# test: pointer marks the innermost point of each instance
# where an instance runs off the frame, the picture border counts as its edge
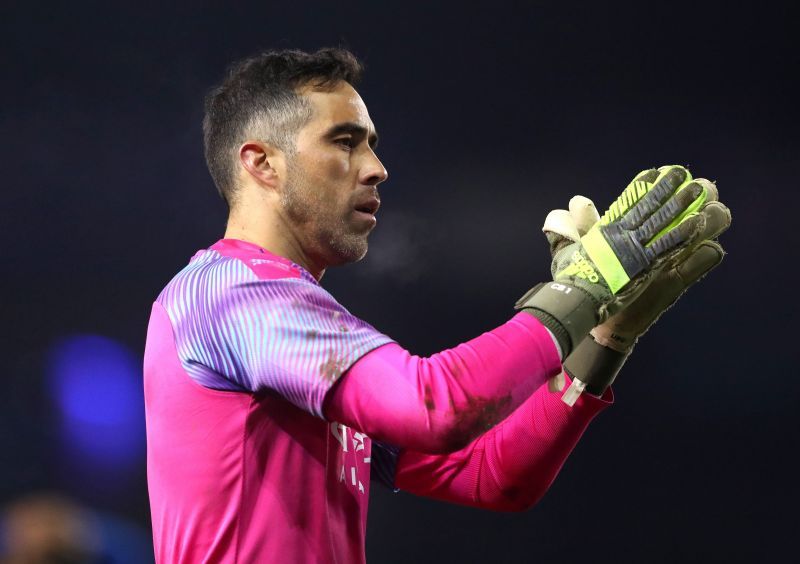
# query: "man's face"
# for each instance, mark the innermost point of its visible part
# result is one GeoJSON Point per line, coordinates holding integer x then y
{"type": "Point", "coordinates": [330, 193]}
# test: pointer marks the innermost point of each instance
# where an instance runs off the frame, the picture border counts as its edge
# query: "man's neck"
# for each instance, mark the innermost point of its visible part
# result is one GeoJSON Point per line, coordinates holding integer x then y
{"type": "Point", "coordinates": [274, 237]}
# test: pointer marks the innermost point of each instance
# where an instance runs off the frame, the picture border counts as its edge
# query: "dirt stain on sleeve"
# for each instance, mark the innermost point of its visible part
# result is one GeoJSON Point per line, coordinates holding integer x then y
{"type": "Point", "coordinates": [429, 403]}
{"type": "Point", "coordinates": [332, 368]}
{"type": "Point", "coordinates": [480, 415]}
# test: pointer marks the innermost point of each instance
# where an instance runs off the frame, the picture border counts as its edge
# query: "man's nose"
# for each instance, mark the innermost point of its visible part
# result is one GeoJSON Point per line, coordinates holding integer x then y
{"type": "Point", "coordinates": [373, 172]}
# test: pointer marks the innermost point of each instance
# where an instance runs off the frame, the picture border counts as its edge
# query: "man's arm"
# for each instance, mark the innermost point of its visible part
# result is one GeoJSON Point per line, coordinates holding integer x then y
{"type": "Point", "coordinates": [441, 403]}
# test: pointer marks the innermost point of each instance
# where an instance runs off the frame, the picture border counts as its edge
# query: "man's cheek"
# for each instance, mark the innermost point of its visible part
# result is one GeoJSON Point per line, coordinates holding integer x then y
{"type": "Point", "coordinates": [337, 167]}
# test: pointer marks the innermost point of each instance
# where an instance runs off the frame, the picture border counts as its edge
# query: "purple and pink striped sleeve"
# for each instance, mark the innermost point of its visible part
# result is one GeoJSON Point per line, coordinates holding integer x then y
{"type": "Point", "coordinates": [244, 319]}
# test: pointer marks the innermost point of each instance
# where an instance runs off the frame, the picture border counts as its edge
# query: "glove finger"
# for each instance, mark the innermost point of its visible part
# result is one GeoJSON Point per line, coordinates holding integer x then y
{"type": "Point", "coordinates": [718, 219]}
{"type": "Point", "coordinates": [562, 223]}
{"type": "Point", "coordinates": [560, 231]}
{"type": "Point", "coordinates": [684, 233]}
{"type": "Point", "coordinates": [671, 213]}
{"type": "Point", "coordinates": [708, 192]}
{"type": "Point", "coordinates": [637, 189]}
{"type": "Point", "coordinates": [705, 258]}
{"type": "Point", "coordinates": [584, 213]}
{"type": "Point", "coordinates": [712, 194]}
{"type": "Point", "coordinates": [556, 242]}
{"type": "Point", "coordinates": [665, 185]}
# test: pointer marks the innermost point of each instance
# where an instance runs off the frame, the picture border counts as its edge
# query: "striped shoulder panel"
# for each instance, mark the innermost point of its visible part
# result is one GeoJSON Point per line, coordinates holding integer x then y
{"type": "Point", "coordinates": [237, 331]}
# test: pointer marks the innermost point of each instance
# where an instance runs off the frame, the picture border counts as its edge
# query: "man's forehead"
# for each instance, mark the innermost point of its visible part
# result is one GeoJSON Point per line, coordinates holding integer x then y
{"type": "Point", "coordinates": [340, 105]}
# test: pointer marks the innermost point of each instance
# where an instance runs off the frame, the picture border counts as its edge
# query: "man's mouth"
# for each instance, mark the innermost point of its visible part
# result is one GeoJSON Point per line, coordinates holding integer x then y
{"type": "Point", "coordinates": [369, 206]}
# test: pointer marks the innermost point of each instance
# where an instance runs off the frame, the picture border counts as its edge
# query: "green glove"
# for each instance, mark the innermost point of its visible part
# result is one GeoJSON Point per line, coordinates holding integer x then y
{"type": "Point", "coordinates": [599, 357]}
{"type": "Point", "coordinates": [599, 274]}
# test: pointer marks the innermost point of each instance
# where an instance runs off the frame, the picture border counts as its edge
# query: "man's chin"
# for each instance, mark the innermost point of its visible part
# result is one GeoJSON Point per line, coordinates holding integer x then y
{"type": "Point", "coordinates": [346, 252]}
{"type": "Point", "coordinates": [355, 256]}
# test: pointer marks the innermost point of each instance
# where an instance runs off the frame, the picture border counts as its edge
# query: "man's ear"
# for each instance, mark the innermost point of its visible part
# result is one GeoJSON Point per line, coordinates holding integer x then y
{"type": "Point", "coordinates": [263, 162]}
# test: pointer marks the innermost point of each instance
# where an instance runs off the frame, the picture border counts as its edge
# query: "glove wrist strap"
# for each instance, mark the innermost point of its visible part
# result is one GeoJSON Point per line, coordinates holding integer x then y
{"type": "Point", "coordinates": [595, 365]}
{"type": "Point", "coordinates": [567, 311]}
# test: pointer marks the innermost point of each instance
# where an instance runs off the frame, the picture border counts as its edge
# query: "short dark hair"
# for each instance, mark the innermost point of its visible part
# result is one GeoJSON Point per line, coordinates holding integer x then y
{"type": "Point", "coordinates": [259, 99]}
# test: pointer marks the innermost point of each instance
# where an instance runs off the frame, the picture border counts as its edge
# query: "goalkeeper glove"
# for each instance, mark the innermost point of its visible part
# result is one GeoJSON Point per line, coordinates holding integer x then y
{"type": "Point", "coordinates": [598, 358]}
{"type": "Point", "coordinates": [600, 273]}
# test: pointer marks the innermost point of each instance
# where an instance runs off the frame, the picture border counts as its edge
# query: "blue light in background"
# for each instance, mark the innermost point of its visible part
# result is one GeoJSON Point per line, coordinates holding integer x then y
{"type": "Point", "coordinates": [96, 383]}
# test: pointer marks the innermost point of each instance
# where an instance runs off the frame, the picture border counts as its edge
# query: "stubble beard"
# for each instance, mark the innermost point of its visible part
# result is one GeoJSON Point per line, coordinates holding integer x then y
{"type": "Point", "coordinates": [322, 227]}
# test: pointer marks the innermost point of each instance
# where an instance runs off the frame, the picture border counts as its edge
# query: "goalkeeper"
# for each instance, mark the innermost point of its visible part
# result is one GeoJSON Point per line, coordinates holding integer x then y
{"type": "Point", "coordinates": [270, 407]}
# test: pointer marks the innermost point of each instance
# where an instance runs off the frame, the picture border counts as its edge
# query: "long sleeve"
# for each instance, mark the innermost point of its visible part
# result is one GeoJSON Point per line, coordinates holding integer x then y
{"type": "Point", "coordinates": [441, 403]}
{"type": "Point", "coordinates": [510, 467]}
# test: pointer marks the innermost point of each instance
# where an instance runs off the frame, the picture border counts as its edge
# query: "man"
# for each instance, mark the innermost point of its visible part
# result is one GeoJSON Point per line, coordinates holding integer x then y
{"type": "Point", "coordinates": [270, 407]}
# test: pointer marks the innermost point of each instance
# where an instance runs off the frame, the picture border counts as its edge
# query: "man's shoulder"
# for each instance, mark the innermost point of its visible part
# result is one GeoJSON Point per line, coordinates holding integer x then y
{"type": "Point", "coordinates": [214, 272]}
{"type": "Point", "coordinates": [229, 262]}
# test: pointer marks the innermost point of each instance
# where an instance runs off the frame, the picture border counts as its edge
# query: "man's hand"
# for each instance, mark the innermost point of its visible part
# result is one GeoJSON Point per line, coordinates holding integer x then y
{"type": "Point", "coordinates": [598, 358]}
{"type": "Point", "coordinates": [599, 272]}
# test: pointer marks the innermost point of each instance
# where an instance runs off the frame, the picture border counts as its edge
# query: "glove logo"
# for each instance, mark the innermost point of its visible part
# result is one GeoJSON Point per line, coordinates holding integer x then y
{"type": "Point", "coordinates": [581, 268]}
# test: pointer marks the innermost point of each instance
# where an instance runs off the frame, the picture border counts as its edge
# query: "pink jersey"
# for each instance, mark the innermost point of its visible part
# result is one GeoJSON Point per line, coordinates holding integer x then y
{"type": "Point", "coordinates": [241, 350]}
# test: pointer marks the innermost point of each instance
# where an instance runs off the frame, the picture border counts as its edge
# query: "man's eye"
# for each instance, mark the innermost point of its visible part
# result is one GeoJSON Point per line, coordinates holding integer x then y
{"type": "Point", "coordinates": [345, 142]}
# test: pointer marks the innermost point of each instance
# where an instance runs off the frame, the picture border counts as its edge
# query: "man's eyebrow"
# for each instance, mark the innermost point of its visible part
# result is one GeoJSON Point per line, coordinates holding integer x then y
{"type": "Point", "coordinates": [353, 129]}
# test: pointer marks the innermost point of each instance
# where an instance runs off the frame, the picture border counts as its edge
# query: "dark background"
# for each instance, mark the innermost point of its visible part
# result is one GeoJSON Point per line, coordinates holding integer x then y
{"type": "Point", "coordinates": [490, 115]}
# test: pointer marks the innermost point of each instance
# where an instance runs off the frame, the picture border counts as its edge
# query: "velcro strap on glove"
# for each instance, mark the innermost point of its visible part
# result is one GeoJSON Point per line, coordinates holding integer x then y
{"type": "Point", "coordinates": [567, 311]}
{"type": "Point", "coordinates": [594, 365]}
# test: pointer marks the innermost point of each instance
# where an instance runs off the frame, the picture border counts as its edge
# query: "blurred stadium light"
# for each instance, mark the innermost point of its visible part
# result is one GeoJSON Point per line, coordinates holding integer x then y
{"type": "Point", "coordinates": [96, 384]}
